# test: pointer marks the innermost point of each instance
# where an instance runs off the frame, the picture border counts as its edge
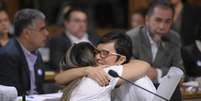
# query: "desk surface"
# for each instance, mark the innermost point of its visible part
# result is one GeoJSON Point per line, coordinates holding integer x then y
{"type": "Point", "coordinates": [188, 96]}
{"type": "Point", "coordinates": [42, 97]}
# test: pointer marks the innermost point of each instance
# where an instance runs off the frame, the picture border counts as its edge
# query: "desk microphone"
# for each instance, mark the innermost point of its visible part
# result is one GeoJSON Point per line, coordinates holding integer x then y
{"type": "Point", "coordinates": [114, 74]}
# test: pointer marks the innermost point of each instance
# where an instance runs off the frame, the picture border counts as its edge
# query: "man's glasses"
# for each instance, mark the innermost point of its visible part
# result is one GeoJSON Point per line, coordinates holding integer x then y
{"type": "Point", "coordinates": [79, 20]}
{"type": "Point", "coordinates": [105, 53]}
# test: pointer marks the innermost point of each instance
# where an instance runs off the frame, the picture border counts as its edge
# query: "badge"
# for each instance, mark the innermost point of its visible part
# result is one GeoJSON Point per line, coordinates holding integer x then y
{"type": "Point", "coordinates": [40, 72]}
{"type": "Point", "coordinates": [199, 63]}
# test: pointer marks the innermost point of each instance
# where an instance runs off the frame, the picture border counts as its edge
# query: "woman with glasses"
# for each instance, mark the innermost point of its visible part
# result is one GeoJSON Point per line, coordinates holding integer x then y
{"type": "Point", "coordinates": [86, 89]}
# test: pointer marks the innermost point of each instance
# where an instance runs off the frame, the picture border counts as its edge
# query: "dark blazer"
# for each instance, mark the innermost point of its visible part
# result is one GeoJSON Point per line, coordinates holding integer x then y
{"type": "Point", "coordinates": [10, 36]}
{"type": "Point", "coordinates": [168, 52]}
{"type": "Point", "coordinates": [14, 70]}
{"type": "Point", "coordinates": [58, 47]}
{"type": "Point", "coordinates": [190, 23]}
{"type": "Point", "coordinates": [192, 60]}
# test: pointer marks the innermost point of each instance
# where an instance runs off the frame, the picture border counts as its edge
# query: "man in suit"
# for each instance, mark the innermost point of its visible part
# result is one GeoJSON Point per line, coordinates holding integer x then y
{"type": "Point", "coordinates": [21, 64]}
{"type": "Point", "coordinates": [156, 43]}
{"type": "Point", "coordinates": [75, 31]}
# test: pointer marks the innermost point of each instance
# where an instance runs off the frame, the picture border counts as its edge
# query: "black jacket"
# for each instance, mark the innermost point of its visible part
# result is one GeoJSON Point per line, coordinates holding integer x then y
{"type": "Point", "coordinates": [190, 23]}
{"type": "Point", "coordinates": [14, 70]}
{"type": "Point", "coordinates": [58, 47]}
{"type": "Point", "coordinates": [192, 60]}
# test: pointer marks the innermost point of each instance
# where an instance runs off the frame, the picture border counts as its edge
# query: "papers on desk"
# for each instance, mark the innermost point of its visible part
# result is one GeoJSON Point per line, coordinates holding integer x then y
{"type": "Point", "coordinates": [42, 97]}
{"type": "Point", "coordinates": [191, 87]}
{"type": "Point", "coordinates": [7, 93]}
{"type": "Point", "coordinates": [191, 84]}
{"type": "Point", "coordinates": [168, 83]}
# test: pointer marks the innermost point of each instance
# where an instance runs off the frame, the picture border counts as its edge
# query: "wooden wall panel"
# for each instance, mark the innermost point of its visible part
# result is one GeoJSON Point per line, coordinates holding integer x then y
{"type": "Point", "coordinates": [196, 2]}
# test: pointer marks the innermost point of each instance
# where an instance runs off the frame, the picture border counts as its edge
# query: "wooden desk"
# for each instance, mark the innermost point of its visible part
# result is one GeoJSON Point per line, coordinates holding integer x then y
{"type": "Point", "coordinates": [190, 96]}
{"type": "Point", "coordinates": [49, 75]}
{"type": "Point", "coordinates": [186, 96]}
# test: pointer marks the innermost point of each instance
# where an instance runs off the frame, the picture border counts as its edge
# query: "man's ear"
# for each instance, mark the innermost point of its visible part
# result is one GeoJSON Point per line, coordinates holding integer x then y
{"type": "Point", "coordinates": [26, 32]}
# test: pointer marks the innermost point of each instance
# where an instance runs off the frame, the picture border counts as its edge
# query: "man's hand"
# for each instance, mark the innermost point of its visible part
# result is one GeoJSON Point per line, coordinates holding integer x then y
{"type": "Point", "coordinates": [98, 74]}
{"type": "Point", "coordinates": [152, 73]}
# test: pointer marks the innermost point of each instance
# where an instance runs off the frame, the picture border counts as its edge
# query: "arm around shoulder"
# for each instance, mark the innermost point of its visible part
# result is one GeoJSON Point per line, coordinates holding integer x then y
{"type": "Point", "coordinates": [96, 73]}
{"type": "Point", "coordinates": [134, 70]}
{"type": "Point", "coordinates": [71, 74]}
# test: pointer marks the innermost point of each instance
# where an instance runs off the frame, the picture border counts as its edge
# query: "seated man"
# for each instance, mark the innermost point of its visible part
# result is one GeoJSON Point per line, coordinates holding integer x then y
{"type": "Point", "coordinates": [20, 63]}
{"type": "Point", "coordinates": [75, 23]}
{"type": "Point", "coordinates": [156, 43]}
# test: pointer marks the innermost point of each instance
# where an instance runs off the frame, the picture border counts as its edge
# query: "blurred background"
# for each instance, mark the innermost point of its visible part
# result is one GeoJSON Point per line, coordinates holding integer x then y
{"type": "Point", "coordinates": [104, 15]}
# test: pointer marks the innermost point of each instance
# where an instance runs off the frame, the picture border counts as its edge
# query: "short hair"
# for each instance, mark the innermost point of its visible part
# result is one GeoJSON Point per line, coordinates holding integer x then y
{"type": "Point", "coordinates": [122, 43]}
{"type": "Point", "coordinates": [165, 4]}
{"type": "Point", "coordinates": [71, 10]}
{"type": "Point", "coordinates": [79, 55]}
{"type": "Point", "coordinates": [25, 18]}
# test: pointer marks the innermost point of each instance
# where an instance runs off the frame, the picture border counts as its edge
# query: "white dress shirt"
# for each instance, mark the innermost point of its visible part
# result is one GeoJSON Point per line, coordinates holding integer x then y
{"type": "Point", "coordinates": [154, 46]}
{"type": "Point", "coordinates": [77, 40]}
{"type": "Point", "coordinates": [129, 92]}
{"type": "Point", "coordinates": [90, 90]}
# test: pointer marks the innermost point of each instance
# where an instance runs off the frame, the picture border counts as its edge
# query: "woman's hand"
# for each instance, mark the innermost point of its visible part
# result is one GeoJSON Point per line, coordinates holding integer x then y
{"type": "Point", "coordinates": [98, 74]}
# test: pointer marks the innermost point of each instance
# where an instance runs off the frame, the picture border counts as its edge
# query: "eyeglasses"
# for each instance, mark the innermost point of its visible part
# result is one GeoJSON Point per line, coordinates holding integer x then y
{"type": "Point", "coordinates": [79, 20]}
{"type": "Point", "coordinates": [105, 53]}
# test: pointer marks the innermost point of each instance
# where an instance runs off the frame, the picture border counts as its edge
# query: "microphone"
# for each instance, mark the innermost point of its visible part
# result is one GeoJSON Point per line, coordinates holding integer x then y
{"type": "Point", "coordinates": [115, 74]}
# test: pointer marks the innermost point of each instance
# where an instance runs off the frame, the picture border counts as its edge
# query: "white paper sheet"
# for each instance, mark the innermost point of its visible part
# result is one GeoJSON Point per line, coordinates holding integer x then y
{"type": "Point", "coordinates": [7, 93]}
{"type": "Point", "coordinates": [169, 83]}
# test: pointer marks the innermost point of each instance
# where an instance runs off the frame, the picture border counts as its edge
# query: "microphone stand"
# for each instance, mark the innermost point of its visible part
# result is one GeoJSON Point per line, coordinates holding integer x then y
{"type": "Point", "coordinates": [115, 74]}
{"type": "Point", "coordinates": [23, 97]}
{"type": "Point", "coordinates": [144, 89]}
